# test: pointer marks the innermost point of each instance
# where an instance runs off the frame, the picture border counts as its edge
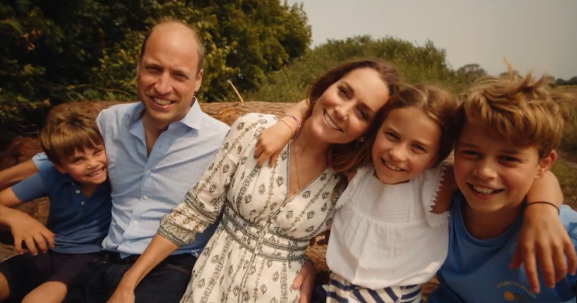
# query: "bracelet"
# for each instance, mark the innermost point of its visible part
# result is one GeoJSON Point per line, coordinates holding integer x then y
{"type": "Point", "coordinates": [290, 127]}
{"type": "Point", "coordinates": [545, 202]}
{"type": "Point", "coordinates": [295, 118]}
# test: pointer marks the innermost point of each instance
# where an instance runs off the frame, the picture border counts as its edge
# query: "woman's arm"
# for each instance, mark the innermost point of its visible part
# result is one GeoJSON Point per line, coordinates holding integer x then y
{"type": "Point", "coordinates": [201, 207]}
{"type": "Point", "coordinates": [158, 249]}
{"type": "Point", "coordinates": [273, 139]}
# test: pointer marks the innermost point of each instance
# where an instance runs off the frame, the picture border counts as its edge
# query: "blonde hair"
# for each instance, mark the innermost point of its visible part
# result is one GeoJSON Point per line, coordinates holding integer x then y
{"type": "Point", "coordinates": [521, 110]}
{"type": "Point", "coordinates": [439, 104]}
{"type": "Point", "coordinates": [67, 132]}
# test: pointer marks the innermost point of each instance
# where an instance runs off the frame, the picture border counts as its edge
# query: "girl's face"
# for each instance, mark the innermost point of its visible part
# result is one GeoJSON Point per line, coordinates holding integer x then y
{"type": "Point", "coordinates": [406, 145]}
{"type": "Point", "coordinates": [345, 110]}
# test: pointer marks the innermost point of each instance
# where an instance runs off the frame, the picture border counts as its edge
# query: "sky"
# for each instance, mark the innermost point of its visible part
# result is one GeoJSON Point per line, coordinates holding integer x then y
{"type": "Point", "coordinates": [537, 35]}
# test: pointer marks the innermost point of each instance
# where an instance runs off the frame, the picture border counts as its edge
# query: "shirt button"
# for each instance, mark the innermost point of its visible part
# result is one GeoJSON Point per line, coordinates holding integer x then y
{"type": "Point", "coordinates": [82, 203]}
{"type": "Point", "coordinates": [144, 197]}
{"type": "Point", "coordinates": [77, 191]}
{"type": "Point", "coordinates": [135, 223]}
{"type": "Point", "coordinates": [148, 171]}
{"type": "Point", "coordinates": [127, 241]}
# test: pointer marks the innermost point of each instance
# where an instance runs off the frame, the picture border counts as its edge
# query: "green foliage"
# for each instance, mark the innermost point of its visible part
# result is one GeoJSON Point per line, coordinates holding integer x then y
{"type": "Point", "coordinates": [60, 51]}
{"type": "Point", "coordinates": [572, 81]}
{"type": "Point", "coordinates": [416, 64]}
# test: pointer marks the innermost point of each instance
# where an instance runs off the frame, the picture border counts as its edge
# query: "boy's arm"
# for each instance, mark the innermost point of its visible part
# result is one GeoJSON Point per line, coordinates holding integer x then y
{"type": "Point", "coordinates": [543, 238]}
{"type": "Point", "coordinates": [17, 173]}
{"type": "Point", "coordinates": [273, 139]}
{"type": "Point", "coordinates": [24, 228]}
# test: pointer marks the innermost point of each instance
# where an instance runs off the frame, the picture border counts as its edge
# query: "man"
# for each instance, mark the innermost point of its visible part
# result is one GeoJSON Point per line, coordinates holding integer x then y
{"type": "Point", "coordinates": [157, 149]}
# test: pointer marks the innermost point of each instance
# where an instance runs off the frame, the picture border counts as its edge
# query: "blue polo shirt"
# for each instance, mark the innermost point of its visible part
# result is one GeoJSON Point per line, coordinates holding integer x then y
{"type": "Point", "coordinates": [477, 271]}
{"type": "Point", "coordinates": [79, 223]}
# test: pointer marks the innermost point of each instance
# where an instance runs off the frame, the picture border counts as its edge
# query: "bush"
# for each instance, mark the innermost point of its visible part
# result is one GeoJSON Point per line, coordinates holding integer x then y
{"type": "Point", "coordinates": [58, 51]}
{"type": "Point", "coordinates": [416, 64]}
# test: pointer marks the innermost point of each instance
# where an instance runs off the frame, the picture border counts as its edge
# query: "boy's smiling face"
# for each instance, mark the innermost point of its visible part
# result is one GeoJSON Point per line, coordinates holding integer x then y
{"type": "Point", "coordinates": [492, 173]}
{"type": "Point", "coordinates": [87, 167]}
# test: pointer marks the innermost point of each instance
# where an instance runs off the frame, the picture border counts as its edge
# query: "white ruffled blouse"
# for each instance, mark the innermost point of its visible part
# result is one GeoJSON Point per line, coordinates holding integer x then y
{"type": "Point", "coordinates": [385, 235]}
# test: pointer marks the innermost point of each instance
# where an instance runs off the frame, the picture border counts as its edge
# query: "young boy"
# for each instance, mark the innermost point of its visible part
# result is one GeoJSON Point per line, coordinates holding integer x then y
{"type": "Point", "coordinates": [511, 128]}
{"type": "Point", "coordinates": [79, 214]}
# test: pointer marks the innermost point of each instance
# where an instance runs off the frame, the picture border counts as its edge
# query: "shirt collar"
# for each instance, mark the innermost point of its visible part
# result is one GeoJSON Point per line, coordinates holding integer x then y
{"type": "Point", "coordinates": [66, 179]}
{"type": "Point", "coordinates": [192, 119]}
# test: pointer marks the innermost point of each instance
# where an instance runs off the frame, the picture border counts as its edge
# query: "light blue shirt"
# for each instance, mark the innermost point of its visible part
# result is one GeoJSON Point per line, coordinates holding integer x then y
{"type": "Point", "coordinates": [477, 271]}
{"type": "Point", "coordinates": [144, 188]}
{"type": "Point", "coordinates": [79, 223]}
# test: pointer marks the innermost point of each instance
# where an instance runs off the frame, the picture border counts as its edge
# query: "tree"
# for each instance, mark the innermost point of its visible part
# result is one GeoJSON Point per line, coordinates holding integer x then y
{"type": "Point", "coordinates": [58, 51]}
{"type": "Point", "coordinates": [469, 73]}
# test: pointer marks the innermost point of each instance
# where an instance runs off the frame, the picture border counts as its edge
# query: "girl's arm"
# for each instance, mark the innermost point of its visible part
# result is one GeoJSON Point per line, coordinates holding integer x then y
{"type": "Point", "coordinates": [273, 139]}
{"type": "Point", "coordinates": [543, 238]}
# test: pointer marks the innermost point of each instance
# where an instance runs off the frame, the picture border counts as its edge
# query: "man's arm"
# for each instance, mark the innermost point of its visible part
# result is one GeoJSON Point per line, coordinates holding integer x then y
{"type": "Point", "coordinates": [17, 173]}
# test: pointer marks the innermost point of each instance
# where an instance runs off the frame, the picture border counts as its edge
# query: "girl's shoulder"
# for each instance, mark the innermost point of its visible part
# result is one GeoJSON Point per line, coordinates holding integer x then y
{"type": "Point", "coordinates": [434, 185]}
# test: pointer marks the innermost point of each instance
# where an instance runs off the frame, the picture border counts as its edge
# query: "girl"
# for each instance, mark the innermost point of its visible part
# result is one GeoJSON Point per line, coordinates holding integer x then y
{"type": "Point", "coordinates": [389, 215]}
{"type": "Point", "coordinates": [394, 211]}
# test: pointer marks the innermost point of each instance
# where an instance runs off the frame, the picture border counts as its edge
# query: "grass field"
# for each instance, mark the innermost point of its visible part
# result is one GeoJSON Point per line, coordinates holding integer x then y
{"type": "Point", "coordinates": [565, 168]}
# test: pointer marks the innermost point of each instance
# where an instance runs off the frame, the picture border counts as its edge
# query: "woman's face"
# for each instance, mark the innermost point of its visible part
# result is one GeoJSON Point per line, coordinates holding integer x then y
{"type": "Point", "coordinates": [346, 109]}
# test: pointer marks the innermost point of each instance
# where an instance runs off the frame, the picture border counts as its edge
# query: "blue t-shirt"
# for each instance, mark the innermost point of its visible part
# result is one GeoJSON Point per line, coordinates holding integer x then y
{"type": "Point", "coordinates": [79, 223]}
{"type": "Point", "coordinates": [477, 271]}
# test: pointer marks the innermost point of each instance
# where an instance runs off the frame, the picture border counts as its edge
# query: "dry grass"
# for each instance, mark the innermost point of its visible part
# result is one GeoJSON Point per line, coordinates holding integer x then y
{"type": "Point", "coordinates": [566, 172]}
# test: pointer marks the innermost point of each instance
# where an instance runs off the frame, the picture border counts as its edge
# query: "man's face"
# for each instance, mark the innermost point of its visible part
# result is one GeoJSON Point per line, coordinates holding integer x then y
{"type": "Point", "coordinates": [167, 74]}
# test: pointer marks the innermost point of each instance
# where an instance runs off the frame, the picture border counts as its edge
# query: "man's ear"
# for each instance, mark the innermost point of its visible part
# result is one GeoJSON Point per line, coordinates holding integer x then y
{"type": "Point", "coordinates": [198, 80]}
{"type": "Point", "coordinates": [545, 163]}
{"type": "Point", "coordinates": [138, 64]}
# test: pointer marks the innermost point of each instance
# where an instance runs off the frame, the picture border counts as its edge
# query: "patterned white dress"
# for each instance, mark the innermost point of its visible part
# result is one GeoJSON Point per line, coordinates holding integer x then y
{"type": "Point", "coordinates": [258, 247]}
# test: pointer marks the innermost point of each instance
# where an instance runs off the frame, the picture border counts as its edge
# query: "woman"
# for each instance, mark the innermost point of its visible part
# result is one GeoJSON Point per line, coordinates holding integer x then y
{"type": "Point", "coordinates": [269, 213]}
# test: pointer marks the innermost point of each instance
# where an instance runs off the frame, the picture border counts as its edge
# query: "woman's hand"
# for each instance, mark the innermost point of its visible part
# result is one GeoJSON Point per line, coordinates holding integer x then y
{"type": "Point", "coordinates": [122, 294]}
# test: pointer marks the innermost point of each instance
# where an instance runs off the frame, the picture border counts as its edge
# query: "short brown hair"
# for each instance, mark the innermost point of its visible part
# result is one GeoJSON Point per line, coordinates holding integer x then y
{"type": "Point", "coordinates": [521, 110]}
{"type": "Point", "coordinates": [67, 132]}
{"type": "Point", "coordinates": [166, 20]}
{"type": "Point", "coordinates": [340, 154]}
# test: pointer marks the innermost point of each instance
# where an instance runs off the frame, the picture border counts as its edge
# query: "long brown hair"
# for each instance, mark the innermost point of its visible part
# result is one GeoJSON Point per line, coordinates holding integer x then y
{"type": "Point", "coordinates": [340, 155]}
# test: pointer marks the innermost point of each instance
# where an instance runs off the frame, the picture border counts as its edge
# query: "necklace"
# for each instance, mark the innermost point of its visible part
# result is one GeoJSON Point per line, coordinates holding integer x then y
{"type": "Point", "coordinates": [297, 167]}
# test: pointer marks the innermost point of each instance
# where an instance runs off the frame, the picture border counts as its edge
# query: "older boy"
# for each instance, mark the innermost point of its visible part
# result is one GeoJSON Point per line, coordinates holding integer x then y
{"type": "Point", "coordinates": [79, 214]}
{"type": "Point", "coordinates": [511, 128]}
